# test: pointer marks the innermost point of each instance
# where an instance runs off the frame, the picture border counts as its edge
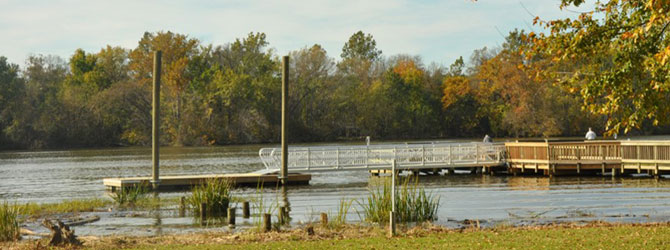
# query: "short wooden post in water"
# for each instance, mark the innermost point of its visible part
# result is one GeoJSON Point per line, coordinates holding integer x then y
{"type": "Point", "coordinates": [324, 219]}
{"type": "Point", "coordinates": [245, 209]}
{"type": "Point", "coordinates": [231, 216]}
{"type": "Point", "coordinates": [182, 206]}
{"type": "Point", "coordinates": [203, 213]}
{"type": "Point", "coordinates": [267, 222]}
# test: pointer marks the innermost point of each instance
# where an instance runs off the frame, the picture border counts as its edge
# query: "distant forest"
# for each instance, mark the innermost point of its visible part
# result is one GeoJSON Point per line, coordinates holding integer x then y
{"type": "Point", "coordinates": [230, 94]}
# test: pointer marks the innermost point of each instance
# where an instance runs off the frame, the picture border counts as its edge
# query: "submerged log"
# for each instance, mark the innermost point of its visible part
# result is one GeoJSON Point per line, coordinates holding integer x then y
{"type": "Point", "coordinates": [82, 221]}
{"type": "Point", "coordinates": [60, 234]}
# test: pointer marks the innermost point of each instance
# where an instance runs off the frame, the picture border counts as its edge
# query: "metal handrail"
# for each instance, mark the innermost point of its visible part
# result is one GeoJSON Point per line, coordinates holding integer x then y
{"type": "Point", "coordinates": [373, 157]}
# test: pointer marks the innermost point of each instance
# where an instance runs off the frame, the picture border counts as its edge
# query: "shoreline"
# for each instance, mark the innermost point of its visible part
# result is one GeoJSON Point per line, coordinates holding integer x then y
{"type": "Point", "coordinates": [563, 235]}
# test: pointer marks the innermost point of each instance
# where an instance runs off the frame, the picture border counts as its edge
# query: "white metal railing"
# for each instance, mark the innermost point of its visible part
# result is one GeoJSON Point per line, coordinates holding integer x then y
{"type": "Point", "coordinates": [407, 156]}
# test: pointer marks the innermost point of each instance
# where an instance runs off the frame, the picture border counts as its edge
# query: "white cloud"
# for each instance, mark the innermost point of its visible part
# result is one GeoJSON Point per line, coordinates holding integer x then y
{"type": "Point", "coordinates": [439, 31]}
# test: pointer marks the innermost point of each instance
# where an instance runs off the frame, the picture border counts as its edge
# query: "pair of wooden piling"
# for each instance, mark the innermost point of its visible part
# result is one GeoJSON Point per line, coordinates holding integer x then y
{"type": "Point", "coordinates": [282, 218]}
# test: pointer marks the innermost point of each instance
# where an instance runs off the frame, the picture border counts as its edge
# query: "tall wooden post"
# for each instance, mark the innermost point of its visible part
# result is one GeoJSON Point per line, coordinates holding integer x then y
{"type": "Point", "coordinates": [392, 213]}
{"type": "Point", "coordinates": [284, 122]}
{"type": "Point", "coordinates": [155, 125]}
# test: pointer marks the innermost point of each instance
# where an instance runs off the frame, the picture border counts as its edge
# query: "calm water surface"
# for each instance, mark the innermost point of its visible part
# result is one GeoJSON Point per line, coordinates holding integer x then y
{"type": "Point", "coordinates": [53, 176]}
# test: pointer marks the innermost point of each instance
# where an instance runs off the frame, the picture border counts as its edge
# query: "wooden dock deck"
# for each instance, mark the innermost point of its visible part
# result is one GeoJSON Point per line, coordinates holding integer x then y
{"type": "Point", "coordinates": [188, 181]}
{"type": "Point", "coordinates": [578, 157]}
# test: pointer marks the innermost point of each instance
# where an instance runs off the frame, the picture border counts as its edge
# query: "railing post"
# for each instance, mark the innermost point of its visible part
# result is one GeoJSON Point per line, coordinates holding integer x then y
{"type": "Point", "coordinates": [337, 158]}
{"type": "Point", "coordinates": [451, 155]}
{"type": "Point", "coordinates": [548, 152]}
{"type": "Point", "coordinates": [423, 155]}
{"type": "Point", "coordinates": [309, 161]}
{"type": "Point", "coordinates": [395, 153]}
{"type": "Point", "coordinates": [367, 155]}
{"type": "Point", "coordinates": [476, 153]}
{"type": "Point", "coordinates": [578, 153]}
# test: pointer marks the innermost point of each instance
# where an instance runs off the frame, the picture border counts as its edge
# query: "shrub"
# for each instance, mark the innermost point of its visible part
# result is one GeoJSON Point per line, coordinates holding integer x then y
{"type": "Point", "coordinates": [413, 204]}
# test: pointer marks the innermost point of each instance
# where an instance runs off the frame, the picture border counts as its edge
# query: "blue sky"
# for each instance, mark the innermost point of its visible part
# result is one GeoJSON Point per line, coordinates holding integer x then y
{"type": "Point", "coordinates": [438, 31]}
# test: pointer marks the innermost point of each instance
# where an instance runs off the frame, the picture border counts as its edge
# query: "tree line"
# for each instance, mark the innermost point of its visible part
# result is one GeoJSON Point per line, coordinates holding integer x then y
{"type": "Point", "coordinates": [230, 94]}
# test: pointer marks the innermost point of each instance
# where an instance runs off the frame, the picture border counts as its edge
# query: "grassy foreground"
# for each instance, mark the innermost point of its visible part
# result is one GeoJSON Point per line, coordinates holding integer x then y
{"type": "Point", "coordinates": [592, 236]}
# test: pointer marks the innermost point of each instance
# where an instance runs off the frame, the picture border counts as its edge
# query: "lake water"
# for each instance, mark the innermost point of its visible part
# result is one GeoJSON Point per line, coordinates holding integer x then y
{"type": "Point", "coordinates": [53, 176]}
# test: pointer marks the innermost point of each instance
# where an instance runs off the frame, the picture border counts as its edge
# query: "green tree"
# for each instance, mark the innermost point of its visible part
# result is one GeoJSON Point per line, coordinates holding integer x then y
{"type": "Point", "coordinates": [244, 95]}
{"type": "Point", "coordinates": [11, 94]}
{"type": "Point", "coordinates": [361, 46]}
{"type": "Point", "coordinates": [39, 120]}
{"type": "Point", "coordinates": [177, 52]}
{"type": "Point", "coordinates": [311, 93]}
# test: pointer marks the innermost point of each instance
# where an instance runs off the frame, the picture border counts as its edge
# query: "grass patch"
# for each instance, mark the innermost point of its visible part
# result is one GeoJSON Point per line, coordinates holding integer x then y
{"type": "Point", "coordinates": [70, 206]}
{"type": "Point", "coordinates": [413, 203]}
{"type": "Point", "coordinates": [215, 194]}
{"type": "Point", "coordinates": [9, 222]}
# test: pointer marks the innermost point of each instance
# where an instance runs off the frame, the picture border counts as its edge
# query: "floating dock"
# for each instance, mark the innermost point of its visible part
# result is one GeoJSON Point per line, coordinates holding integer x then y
{"type": "Point", "coordinates": [188, 181]}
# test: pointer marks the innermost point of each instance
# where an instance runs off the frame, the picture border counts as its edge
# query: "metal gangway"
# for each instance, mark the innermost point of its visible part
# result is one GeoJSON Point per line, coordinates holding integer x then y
{"type": "Point", "coordinates": [379, 157]}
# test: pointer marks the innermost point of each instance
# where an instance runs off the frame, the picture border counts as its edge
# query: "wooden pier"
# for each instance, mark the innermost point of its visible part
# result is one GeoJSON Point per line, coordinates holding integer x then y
{"type": "Point", "coordinates": [188, 181]}
{"type": "Point", "coordinates": [589, 157]}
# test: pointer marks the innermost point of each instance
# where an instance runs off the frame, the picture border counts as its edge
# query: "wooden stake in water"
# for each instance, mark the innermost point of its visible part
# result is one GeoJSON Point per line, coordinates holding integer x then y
{"type": "Point", "coordinates": [231, 216]}
{"type": "Point", "coordinates": [245, 209]}
{"type": "Point", "coordinates": [267, 222]}
{"type": "Point", "coordinates": [324, 219]}
{"type": "Point", "coordinates": [182, 206]}
{"type": "Point", "coordinates": [155, 124]}
{"type": "Point", "coordinates": [203, 213]}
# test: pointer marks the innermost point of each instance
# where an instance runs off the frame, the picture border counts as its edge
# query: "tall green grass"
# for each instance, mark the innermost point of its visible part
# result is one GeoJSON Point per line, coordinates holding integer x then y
{"type": "Point", "coordinates": [9, 222]}
{"type": "Point", "coordinates": [259, 204]}
{"type": "Point", "coordinates": [342, 211]}
{"type": "Point", "coordinates": [215, 194]}
{"type": "Point", "coordinates": [68, 206]}
{"type": "Point", "coordinates": [130, 196]}
{"type": "Point", "coordinates": [413, 203]}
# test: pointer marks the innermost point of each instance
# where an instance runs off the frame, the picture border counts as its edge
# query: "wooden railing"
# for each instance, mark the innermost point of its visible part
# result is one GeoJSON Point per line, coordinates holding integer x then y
{"type": "Point", "coordinates": [584, 151]}
{"type": "Point", "coordinates": [545, 152]}
{"type": "Point", "coordinates": [646, 151]}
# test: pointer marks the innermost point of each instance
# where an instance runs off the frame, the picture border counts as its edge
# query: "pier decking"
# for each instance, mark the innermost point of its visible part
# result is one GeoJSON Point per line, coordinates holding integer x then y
{"type": "Point", "coordinates": [188, 181]}
{"type": "Point", "coordinates": [616, 157]}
